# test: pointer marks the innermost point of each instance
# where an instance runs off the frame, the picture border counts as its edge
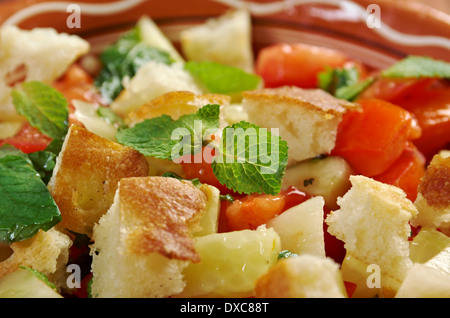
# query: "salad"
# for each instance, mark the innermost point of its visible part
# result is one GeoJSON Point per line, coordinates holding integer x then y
{"type": "Point", "coordinates": [215, 171]}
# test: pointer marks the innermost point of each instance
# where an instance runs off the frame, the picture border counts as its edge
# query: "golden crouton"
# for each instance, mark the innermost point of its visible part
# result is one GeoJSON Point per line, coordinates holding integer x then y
{"type": "Point", "coordinates": [86, 175]}
{"type": "Point", "coordinates": [46, 252]}
{"type": "Point", "coordinates": [175, 104]}
{"type": "Point", "coordinates": [143, 243]}
{"type": "Point", "coordinates": [225, 39]}
{"type": "Point", "coordinates": [433, 199]}
{"type": "Point", "coordinates": [306, 118]}
{"type": "Point", "coordinates": [373, 221]}
{"type": "Point", "coordinates": [303, 276]}
{"type": "Point", "coordinates": [24, 58]}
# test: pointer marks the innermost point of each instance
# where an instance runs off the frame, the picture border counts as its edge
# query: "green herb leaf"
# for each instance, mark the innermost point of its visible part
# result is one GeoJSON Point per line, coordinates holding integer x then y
{"type": "Point", "coordinates": [26, 205]}
{"type": "Point", "coordinates": [111, 117]}
{"type": "Point", "coordinates": [286, 254]}
{"type": "Point", "coordinates": [196, 182]}
{"type": "Point", "coordinates": [41, 276]}
{"type": "Point", "coordinates": [418, 66]}
{"type": "Point", "coordinates": [250, 159]}
{"type": "Point", "coordinates": [343, 83]}
{"type": "Point", "coordinates": [227, 197]}
{"type": "Point", "coordinates": [43, 162]}
{"type": "Point", "coordinates": [351, 92]}
{"type": "Point", "coordinates": [45, 108]}
{"type": "Point", "coordinates": [165, 138]}
{"type": "Point", "coordinates": [222, 79]}
{"type": "Point", "coordinates": [332, 79]}
{"type": "Point", "coordinates": [123, 59]}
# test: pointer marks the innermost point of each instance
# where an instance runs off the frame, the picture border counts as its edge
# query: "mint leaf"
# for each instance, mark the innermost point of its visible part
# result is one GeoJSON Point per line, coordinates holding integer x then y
{"type": "Point", "coordinates": [221, 79]}
{"type": "Point", "coordinates": [351, 92]}
{"type": "Point", "coordinates": [250, 159]}
{"type": "Point", "coordinates": [332, 79]}
{"type": "Point", "coordinates": [418, 66]}
{"type": "Point", "coordinates": [165, 138]}
{"type": "Point", "coordinates": [43, 162]}
{"type": "Point", "coordinates": [109, 116]}
{"type": "Point", "coordinates": [123, 59]}
{"type": "Point", "coordinates": [343, 83]}
{"type": "Point", "coordinates": [26, 205]}
{"type": "Point", "coordinates": [45, 108]}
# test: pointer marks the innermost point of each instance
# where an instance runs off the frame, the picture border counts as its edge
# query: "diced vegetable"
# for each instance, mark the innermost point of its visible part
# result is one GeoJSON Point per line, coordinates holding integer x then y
{"type": "Point", "coordinates": [200, 168]}
{"type": "Point", "coordinates": [424, 281]}
{"type": "Point", "coordinates": [427, 244]}
{"type": "Point", "coordinates": [210, 221]}
{"type": "Point", "coordinates": [88, 115]}
{"type": "Point", "coordinates": [251, 211]}
{"type": "Point", "coordinates": [295, 64]}
{"type": "Point", "coordinates": [28, 139]}
{"type": "Point", "coordinates": [430, 106]}
{"type": "Point", "coordinates": [24, 284]}
{"type": "Point", "coordinates": [301, 227]}
{"type": "Point", "coordinates": [369, 280]}
{"type": "Point", "coordinates": [427, 99]}
{"type": "Point", "coordinates": [406, 172]}
{"type": "Point", "coordinates": [231, 263]}
{"type": "Point", "coordinates": [327, 177]}
{"type": "Point", "coordinates": [373, 139]}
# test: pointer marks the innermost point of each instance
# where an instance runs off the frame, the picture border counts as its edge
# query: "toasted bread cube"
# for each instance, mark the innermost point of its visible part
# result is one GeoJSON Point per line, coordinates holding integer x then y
{"type": "Point", "coordinates": [433, 198]}
{"type": "Point", "coordinates": [225, 39]}
{"type": "Point", "coordinates": [307, 119]}
{"type": "Point", "coordinates": [46, 252]}
{"type": "Point", "coordinates": [143, 243]}
{"type": "Point", "coordinates": [373, 221]}
{"type": "Point", "coordinates": [152, 80]}
{"type": "Point", "coordinates": [86, 176]}
{"type": "Point", "coordinates": [303, 276]}
{"type": "Point", "coordinates": [152, 35]}
{"type": "Point", "coordinates": [175, 104]}
{"type": "Point", "coordinates": [24, 58]}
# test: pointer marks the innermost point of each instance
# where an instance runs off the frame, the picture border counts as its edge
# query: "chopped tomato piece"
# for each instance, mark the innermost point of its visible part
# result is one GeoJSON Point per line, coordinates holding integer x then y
{"type": "Point", "coordinates": [82, 292]}
{"type": "Point", "coordinates": [77, 84]}
{"type": "Point", "coordinates": [334, 247]}
{"type": "Point", "coordinates": [251, 211]}
{"type": "Point", "coordinates": [406, 172]}
{"type": "Point", "coordinates": [431, 107]}
{"type": "Point", "coordinates": [198, 166]}
{"type": "Point", "coordinates": [293, 197]}
{"type": "Point", "coordinates": [391, 89]}
{"type": "Point", "coordinates": [371, 140]}
{"type": "Point", "coordinates": [428, 99]}
{"type": "Point", "coordinates": [28, 139]}
{"type": "Point", "coordinates": [295, 64]}
{"type": "Point", "coordinates": [350, 288]}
